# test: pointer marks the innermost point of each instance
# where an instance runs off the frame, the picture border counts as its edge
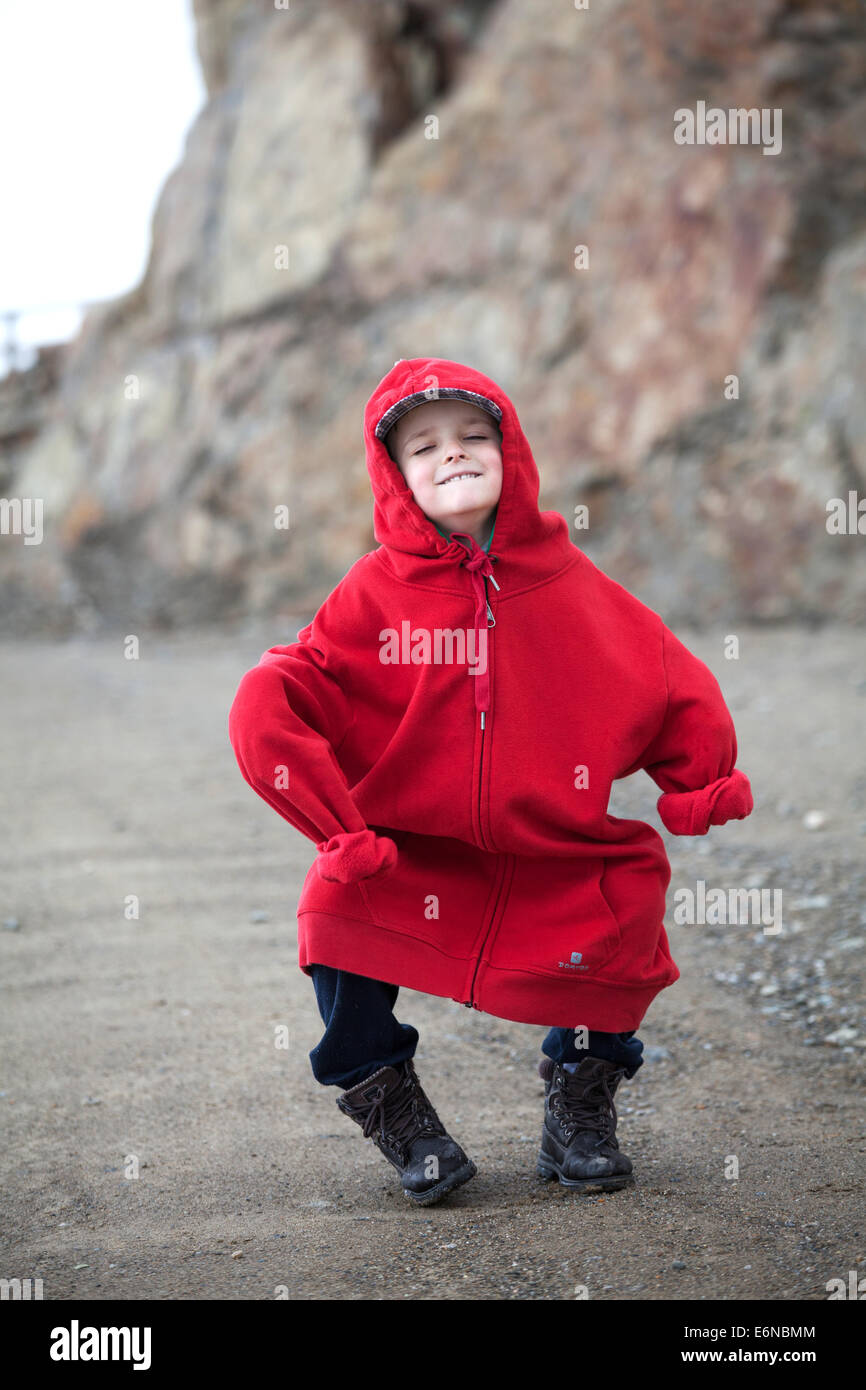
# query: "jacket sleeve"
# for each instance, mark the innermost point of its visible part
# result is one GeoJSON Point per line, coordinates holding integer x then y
{"type": "Point", "coordinates": [693, 755]}
{"type": "Point", "coordinates": [289, 716]}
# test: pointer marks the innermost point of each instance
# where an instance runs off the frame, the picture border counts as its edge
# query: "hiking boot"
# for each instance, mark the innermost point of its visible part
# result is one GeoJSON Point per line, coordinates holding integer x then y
{"type": "Point", "coordinates": [578, 1141]}
{"type": "Point", "coordinates": [395, 1113]}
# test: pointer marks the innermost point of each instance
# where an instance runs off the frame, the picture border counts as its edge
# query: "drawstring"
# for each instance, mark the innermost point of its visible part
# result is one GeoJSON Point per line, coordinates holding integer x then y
{"type": "Point", "coordinates": [480, 567]}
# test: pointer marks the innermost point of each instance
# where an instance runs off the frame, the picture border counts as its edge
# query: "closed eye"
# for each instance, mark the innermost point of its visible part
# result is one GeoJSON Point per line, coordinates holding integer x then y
{"type": "Point", "coordinates": [430, 446]}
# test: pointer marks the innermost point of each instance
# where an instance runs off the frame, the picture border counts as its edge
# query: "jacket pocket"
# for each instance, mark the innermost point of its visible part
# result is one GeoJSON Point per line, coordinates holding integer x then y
{"type": "Point", "coordinates": [615, 922]}
{"type": "Point", "coordinates": [558, 921]}
{"type": "Point", "coordinates": [439, 892]}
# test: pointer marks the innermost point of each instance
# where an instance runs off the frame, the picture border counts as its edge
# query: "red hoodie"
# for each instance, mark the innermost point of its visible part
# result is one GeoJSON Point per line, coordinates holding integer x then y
{"type": "Point", "coordinates": [458, 800]}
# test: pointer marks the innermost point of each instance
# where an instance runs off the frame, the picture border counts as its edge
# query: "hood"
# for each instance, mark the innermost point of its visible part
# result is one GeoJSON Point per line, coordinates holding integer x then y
{"type": "Point", "coordinates": [529, 543]}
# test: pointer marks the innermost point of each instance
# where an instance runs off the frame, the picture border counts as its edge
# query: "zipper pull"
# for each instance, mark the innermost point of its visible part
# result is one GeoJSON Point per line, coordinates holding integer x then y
{"type": "Point", "coordinates": [491, 621]}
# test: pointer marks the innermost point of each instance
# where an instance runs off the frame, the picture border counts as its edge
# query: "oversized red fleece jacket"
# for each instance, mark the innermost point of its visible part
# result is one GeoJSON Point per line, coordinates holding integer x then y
{"type": "Point", "coordinates": [446, 731]}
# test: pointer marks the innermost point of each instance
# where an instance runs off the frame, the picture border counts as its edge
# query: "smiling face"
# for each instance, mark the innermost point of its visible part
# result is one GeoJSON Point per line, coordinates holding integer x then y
{"type": "Point", "coordinates": [449, 453]}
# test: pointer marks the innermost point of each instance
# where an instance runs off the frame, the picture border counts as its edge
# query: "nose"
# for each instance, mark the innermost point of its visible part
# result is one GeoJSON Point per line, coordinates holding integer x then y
{"type": "Point", "coordinates": [454, 447]}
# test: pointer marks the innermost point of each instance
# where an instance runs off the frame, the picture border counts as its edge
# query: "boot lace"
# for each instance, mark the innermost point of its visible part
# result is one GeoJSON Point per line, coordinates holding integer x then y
{"type": "Point", "coordinates": [590, 1107]}
{"type": "Point", "coordinates": [404, 1116]}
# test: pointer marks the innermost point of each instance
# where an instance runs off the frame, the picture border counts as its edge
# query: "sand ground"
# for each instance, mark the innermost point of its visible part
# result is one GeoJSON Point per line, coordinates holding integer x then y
{"type": "Point", "coordinates": [148, 1045]}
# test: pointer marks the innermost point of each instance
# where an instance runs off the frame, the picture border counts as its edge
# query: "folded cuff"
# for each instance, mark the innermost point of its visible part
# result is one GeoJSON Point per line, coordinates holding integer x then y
{"type": "Point", "coordinates": [348, 857]}
{"type": "Point", "coordinates": [692, 813]}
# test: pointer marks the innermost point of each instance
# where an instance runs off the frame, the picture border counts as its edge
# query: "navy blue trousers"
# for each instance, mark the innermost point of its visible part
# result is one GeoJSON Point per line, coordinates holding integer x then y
{"type": "Point", "coordinates": [362, 1034]}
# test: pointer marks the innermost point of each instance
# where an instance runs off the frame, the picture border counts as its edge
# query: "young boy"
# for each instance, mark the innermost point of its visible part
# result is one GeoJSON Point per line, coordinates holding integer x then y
{"type": "Point", "coordinates": [448, 739]}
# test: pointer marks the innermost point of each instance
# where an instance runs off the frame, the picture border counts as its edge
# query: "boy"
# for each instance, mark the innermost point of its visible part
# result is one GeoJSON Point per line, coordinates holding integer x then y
{"type": "Point", "coordinates": [464, 844]}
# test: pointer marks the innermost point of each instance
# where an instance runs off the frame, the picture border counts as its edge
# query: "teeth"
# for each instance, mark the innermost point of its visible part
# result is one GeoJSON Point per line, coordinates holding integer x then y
{"type": "Point", "coordinates": [457, 478]}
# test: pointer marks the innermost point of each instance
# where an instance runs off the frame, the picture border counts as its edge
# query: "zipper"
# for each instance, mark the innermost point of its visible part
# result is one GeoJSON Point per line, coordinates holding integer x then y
{"type": "Point", "coordinates": [503, 871]}
{"type": "Point", "coordinates": [491, 622]}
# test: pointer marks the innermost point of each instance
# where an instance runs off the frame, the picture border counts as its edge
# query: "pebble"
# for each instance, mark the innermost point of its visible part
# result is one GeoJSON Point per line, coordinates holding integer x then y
{"type": "Point", "coordinates": [678, 1264]}
{"type": "Point", "coordinates": [841, 1035]}
{"type": "Point", "coordinates": [814, 820]}
{"type": "Point", "coordinates": [11, 924]}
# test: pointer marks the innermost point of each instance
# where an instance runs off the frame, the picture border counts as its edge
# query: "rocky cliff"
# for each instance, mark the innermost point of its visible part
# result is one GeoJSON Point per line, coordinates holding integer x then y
{"type": "Point", "coordinates": [369, 181]}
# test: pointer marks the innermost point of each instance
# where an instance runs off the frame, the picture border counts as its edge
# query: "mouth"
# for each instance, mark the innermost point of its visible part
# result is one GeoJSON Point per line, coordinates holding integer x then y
{"type": "Point", "coordinates": [459, 478]}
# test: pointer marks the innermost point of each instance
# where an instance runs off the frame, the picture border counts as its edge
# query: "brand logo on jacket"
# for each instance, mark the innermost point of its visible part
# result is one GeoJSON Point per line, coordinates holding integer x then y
{"type": "Point", "coordinates": [574, 963]}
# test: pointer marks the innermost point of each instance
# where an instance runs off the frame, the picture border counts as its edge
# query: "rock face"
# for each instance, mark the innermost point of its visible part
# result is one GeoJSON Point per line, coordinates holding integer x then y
{"type": "Point", "coordinates": [369, 181]}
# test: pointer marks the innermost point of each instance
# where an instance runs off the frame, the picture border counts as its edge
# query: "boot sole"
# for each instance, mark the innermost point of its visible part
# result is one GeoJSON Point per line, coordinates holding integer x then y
{"type": "Point", "coordinates": [614, 1183]}
{"type": "Point", "coordinates": [456, 1179]}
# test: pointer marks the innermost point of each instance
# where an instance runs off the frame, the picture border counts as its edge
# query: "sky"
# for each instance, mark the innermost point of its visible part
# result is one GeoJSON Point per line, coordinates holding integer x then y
{"type": "Point", "coordinates": [96, 98]}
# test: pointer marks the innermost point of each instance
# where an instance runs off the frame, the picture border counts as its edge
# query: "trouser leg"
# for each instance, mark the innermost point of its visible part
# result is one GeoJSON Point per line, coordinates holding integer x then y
{"type": "Point", "coordinates": [361, 1033]}
{"type": "Point", "coordinates": [622, 1048]}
